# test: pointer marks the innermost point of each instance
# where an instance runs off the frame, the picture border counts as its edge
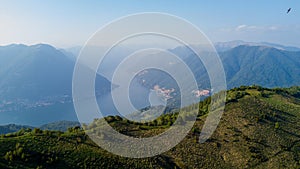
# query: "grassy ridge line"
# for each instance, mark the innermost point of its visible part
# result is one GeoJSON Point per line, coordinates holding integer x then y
{"type": "Point", "coordinates": [259, 129]}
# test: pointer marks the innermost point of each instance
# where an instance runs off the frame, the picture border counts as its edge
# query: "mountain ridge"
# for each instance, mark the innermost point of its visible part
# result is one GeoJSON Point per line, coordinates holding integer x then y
{"type": "Point", "coordinates": [265, 66]}
{"type": "Point", "coordinates": [224, 46]}
{"type": "Point", "coordinates": [38, 78]}
{"type": "Point", "coordinates": [243, 65]}
{"type": "Point", "coordinates": [55, 126]}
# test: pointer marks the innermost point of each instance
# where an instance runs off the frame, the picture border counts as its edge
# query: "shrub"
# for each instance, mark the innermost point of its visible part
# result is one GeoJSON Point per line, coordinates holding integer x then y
{"type": "Point", "coordinates": [37, 131]}
{"type": "Point", "coordinates": [118, 118]}
{"type": "Point", "coordinates": [74, 129]}
{"type": "Point", "coordinates": [8, 156]}
{"type": "Point", "coordinates": [47, 132]}
{"type": "Point", "coordinates": [18, 153]}
{"type": "Point", "coordinates": [21, 132]}
{"type": "Point", "coordinates": [110, 119]}
{"type": "Point", "coordinates": [277, 125]}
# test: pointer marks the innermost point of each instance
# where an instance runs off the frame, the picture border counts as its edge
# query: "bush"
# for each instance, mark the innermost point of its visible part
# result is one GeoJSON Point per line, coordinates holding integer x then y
{"type": "Point", "coordinates": [20, 132]}
{"type": "Point", "coordinates": [18, 153]}
{"type": "Point", "coordinates": [118, 118]}
{"type": "Point", "coordinates": [110, 119]}
{"type": "Point", "coordinates": [277, 125]}
{"type": "Point", "coordinates": [74, 129]}
{"type": "Point", "coordinates": [8, 156]}
{"type": "Point", "coordinates": [47, 132]}
{"type": "Point", "coordinates": [36, 131]}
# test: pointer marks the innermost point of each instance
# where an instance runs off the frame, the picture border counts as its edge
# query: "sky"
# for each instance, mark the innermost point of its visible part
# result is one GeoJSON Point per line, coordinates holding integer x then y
{"type": "Point", "coordinates": [71, 23]}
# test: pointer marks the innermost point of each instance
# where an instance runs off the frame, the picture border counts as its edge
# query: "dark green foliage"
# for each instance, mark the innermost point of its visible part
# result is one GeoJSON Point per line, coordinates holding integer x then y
{"type": "Point", "coordinates": [16, 154]}
{"type": "Point", "coordinates": [37, 131]}
{"type": "Point", "coordinates": [195, 130]}
{"type": "Point", "coordinates": [110, 119]}
{"type": "Point", "coordinates": [75, 129]}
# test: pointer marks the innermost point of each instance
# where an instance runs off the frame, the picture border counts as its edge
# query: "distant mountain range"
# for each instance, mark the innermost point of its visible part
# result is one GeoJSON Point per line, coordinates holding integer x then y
{"type": "Point", "coordinates": [35, 72]}
{"type": "Point", "coordinates": [57, 126]}
{"type": "Point", "coordinates": [245, 64]}
{"type": "Point", "coordinates": [220, 46]}
{"type": "Point", "coordinates": [36, 84]}
{"type": "Point", "coordinates": [261, 65]}
{"type": "Point", "coordinates": [224, 46]}
{"type": "Point", "coordinates": [36, 81]}
{"type": "Point", "coordinates": [11, 128]}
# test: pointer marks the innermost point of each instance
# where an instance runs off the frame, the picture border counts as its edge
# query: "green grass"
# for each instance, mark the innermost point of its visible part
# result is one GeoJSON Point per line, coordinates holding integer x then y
{"type": "Point", "coordinates": [259, 129]}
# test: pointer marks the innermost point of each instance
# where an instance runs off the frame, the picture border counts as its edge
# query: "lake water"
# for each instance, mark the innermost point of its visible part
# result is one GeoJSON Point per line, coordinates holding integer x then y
{"type": "Point", "coordinates": [139, 96]}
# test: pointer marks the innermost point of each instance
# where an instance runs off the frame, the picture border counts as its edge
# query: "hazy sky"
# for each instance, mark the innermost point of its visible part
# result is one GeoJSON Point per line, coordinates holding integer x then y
{"type": "Point", "coordinates": [70, 23]}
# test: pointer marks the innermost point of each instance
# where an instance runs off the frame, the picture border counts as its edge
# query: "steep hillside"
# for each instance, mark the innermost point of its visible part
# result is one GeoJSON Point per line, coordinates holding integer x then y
{"type": "Point", "coordinates": [36, 85]}
{"type": "Point", "coordinates": [243, 65]}
{"type": "Point", "coordinates": [259, 129]}
{"type": "Point", "coordinates": [265, 66]}
{"type": "Point", "coordinates": [36, 72]}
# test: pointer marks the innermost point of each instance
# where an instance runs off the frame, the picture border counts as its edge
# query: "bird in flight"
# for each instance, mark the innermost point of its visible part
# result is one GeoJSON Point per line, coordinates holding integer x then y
{"type": "Point", "coordinates": [289, 10]}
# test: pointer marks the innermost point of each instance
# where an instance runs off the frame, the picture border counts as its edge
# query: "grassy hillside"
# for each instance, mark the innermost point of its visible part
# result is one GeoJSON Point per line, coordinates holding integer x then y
{"type": "Point", "coordinates": [259, 129]}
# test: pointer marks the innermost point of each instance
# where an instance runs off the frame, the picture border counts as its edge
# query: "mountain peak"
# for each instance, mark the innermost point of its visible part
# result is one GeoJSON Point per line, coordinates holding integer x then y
{"type": "Point", "coordinates": [257, 47]}
{"type": "Point", "coordinates": [36, 46]}
{"type": "Point", "coordinates": [42, 46]}
{"type": "Point", "coordinates": [224, 46]}
{"type": "Point", "coordinates": [16, 45]}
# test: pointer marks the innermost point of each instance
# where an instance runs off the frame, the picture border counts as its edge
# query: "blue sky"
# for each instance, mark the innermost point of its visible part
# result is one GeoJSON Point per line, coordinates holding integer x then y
{"type": "Point", "coordinates": [70, 23]}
